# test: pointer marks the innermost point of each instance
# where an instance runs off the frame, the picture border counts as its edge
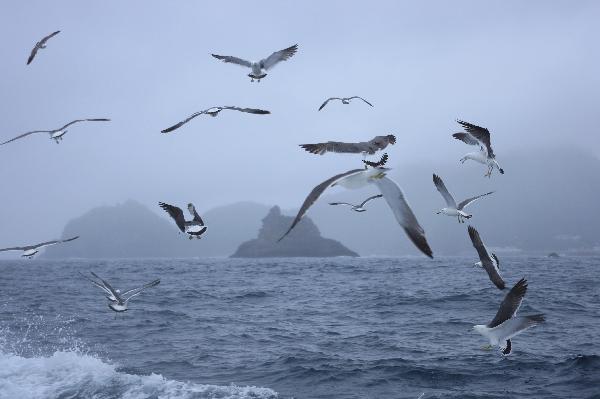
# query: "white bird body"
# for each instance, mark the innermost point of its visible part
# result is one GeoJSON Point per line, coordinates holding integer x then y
{"type": "Point", "coordinates": [455, 212]}
{"type": "Point", "coordinates": [478, 136]}
{"type": "Point", "coordinates": [477, 156]}
{"type": "Point", "coordinates": [258, 68]}
{"type": "Point", "coordinates": [452, 208]}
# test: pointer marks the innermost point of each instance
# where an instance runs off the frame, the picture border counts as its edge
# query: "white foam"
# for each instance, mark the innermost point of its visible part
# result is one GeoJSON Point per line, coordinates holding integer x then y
{"type": "Point", "coordinates": [72, 374]}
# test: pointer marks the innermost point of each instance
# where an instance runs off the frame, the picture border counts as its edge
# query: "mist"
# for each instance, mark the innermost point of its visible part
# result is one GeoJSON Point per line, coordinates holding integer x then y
{"type": "Point", "coordinates": [525, 70]}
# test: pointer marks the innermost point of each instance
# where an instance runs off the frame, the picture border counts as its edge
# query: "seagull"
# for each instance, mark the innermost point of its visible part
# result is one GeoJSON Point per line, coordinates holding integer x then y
{"type": "Point", "coordinates": [480, 136]}
{"type": "Point", "coordinates": [40, 45]}
{"type": "Point", "coordinates": [360, 207]}
{"type": "Point", "coordinates": [30, 250]}
{"type": "Point", "coordinates": [392, 193]}
{"type": "Point", "coordinates": [57, 134]}
{"type": "Point", "coordinates": [344, 100]}
{"type": "Point", "coordinates": [264, 64]}
{"type": "Point", "coordinates": [193, 228]}
{"type": "Point", "coordinates": [214, 111]}
{"type": "Point", "coordinates": [363, 147]}
{"type": "Point", "coordinates": [118, 301]}
{"type": "Point", "coordinates": [452, 209]}
{"type": "Point", "coordinates": [489, 261]}
{"type": "Point", "coordinates": [505, 324]}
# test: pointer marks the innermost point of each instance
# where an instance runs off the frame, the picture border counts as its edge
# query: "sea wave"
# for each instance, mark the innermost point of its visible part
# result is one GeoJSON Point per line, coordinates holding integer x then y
{"type": "Point", "coordinates": [76, 375]}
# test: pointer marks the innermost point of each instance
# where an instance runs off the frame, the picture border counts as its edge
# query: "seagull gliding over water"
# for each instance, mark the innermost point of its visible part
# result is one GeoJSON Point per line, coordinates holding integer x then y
{"type": "Point", "coordinates": [451, 208]}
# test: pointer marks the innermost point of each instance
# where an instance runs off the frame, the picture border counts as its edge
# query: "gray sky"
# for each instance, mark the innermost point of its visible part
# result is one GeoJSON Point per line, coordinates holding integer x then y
{"type": "Point", "coordinates": [526, 70]}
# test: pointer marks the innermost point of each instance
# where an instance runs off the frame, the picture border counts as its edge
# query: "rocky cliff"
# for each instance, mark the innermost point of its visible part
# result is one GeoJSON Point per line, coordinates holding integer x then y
{"type": "Point", "coordinates": [304, 241]}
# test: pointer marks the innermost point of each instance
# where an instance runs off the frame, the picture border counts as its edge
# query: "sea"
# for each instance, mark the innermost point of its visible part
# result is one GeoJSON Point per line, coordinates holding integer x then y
{"type": "Point", "coordinates": [340, 328]}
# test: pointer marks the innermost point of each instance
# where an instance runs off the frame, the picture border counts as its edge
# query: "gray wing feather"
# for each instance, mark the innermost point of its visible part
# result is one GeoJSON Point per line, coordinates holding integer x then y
{"type": "Point", "coordinates": [25, 135]}
{"type": "Point", "coordinates": [38, 44]}
{"type": "Point", "coordinates": [327, 101]}
{"type": "Point", "coordinates": [183, 122]}
{"type": "Point", "coordinates": [371, 198]}
{"type": "Point", "coordinates": [84, 120]}
{"type": "Point", "coordinates": [233, 60]}
{"type": "Point", "coordinates": [441, 187]}
{"type": "Point", "coordinates": [369, 147]}
{"type": "Point", "coordinates": [404, 215]}
{"type": "Point", "coordinates": [510, 304]}
{"type": "Point", "coordinates": [485, 258]}
{"type": "Point", "coordinates": [15, 249]}
{"type": "Point", "coordinates": [468, 201]}
{"type": "Point", "coordinates": [278, 56]}
{"type": "Point", "coordinates": [466, 138]}
{"type": "Point", "coordinates": [175, 213]}
{"type": "Point", "coordinates": [353, 97]}
{"type": "Point", "coordinates": [112, 291]}
{"type": "Point", "coordinates": [248, 110]}
{"type": "Point", "coordinates": [136, 291]}
{"type": "Point", "coordinates": [481, 134]}
{"type": "Point", "coordinates": [314, 195]}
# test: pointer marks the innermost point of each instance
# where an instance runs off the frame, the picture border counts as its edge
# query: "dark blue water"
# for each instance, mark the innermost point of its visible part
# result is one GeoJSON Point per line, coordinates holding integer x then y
{"type": "Point", "coordinates": [295, 328]}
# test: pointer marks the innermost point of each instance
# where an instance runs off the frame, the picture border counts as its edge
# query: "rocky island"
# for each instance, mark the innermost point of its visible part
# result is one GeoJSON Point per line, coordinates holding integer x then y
{"type": "Point", "coordinates": [304, 241]}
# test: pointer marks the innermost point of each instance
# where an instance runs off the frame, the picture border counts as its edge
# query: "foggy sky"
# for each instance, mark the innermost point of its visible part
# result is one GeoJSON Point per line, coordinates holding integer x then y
{"type": "Point", "coordinates": [526, 70]}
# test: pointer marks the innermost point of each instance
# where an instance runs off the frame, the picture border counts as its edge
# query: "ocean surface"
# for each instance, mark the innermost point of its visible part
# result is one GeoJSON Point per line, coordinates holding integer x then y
{"type": "Point", "coordinates": [295, 328]}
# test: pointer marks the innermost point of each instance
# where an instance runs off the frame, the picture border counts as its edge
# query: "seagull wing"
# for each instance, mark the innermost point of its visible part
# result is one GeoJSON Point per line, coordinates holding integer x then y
{"type": "Point", "coordinates": [175, 213]}
{"type": "Point", "coordinates": [84, 120]}
{"type": "Point", "coordinates": [53, 242]}
{"type": "Point", "coordinates": [233, 60]}
{"type": "Point", "coordinates": [38, 44]}
{"type": "Point", "coordinates": [101, 286]}
{"type": "Point", "coordinates": [249, 110]}
{"type": "Point", "coordinates": [315, 194]}
{"type": "Point", "coordinates": [340, 203]}
{"type": "Point", "coordinates": [370, 198]}
{"type": "Point", "coordinates": [183, 122]}
{"type": "Point", "coordinates": [15, 249]}
{"type": "Point", "coordinates": [276, 57]}
{"type": "Point", "coordinates": [25, 135]}
{"type": "Point", "coordinates": [381, 162]}
{"type": "Point", "coordinates": [468, 201]}
{"type": "Point", "coordinates": [441, 187]}
{"type": "Point", "coordinates": [404, 215]}
{"type": "Point", "coordinates": [481, 134]}
{"type": "Point", "coordinates": [510, 304]}
{"type": "Point", "coordinates": [380, 142]}
{"type": "Point", "coordinates": [326, 101]}
{"type": "Point", "coordinates": [485, 258]}
{"type": "Point", "coordinates": [466, 138]}
{"type": "Point", "coordinates": [339, 147]}
{"type": "Point", "coordinates": [136, 291]}
{"type": "Point", "coordinates": [113, 293]}
{"type": "Point", "coordinates": [353, 97]}
{"type": "Point", "coordinates": [516, 325]}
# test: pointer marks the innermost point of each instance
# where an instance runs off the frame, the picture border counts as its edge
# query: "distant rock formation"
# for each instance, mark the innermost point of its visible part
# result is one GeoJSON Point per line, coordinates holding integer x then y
{"type": "Point", "coordinates": [553, 255]}
{"type": "Point", "coordinates": [304, 241]}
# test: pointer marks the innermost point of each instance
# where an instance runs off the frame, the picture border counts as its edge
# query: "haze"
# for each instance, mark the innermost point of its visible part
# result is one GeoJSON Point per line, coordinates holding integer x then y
{"type": "Point", "coordinates": [526, 70]}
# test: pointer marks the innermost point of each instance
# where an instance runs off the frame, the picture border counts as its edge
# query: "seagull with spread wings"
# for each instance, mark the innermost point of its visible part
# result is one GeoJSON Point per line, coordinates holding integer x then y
{"type": "Point", "coordinates": [193, 228]}
{"type": "Point", "coordinates": [344, 100]}
{"type": "Point", "coordinates": [259, 68]}
{"type": "Point", "coordinates": [391, 192]}
{"type": "Point", "coordinates": [452, 209]}
{"type": "Point", "coordinates": [118, 301]}
{"type": "Point", "coordinates": [358, 207]}
{"type": "Point", "coordinates": [30, 250]}
{"type": "Point", "coordinates": [364, 147]}
{"type": "Point", "coordinates": [214, 111]}
{"type": "Point", "coordinates": [40, 45]}
{"type": "Point", "coordinates": [56, 134]}
{"type": "Point", "coordinates": [506, 324]}
{"type": "Point", "coordinates": [478, 136]}
{"type": "Point", "coordinates": [487, 260]}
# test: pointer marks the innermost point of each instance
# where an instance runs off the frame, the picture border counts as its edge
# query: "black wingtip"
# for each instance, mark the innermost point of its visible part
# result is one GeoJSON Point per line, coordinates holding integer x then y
{"type": "Point", "coordinates": [501, 171]}
{"type": "Point", "coordinates": [391, 138]}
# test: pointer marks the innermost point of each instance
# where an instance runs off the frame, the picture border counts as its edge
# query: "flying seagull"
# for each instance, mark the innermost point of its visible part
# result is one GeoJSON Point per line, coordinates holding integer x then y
{"type": "Point", "coordinates": [56, 134]}
{"type": "Point", "coordinates": [40, 45]}
{"type": "Point", "coordinates": [360, 207]}
{"type": "Point", "coordinates": [344, 100]}
{"type": "Point", "coordinates": [193, 228]}
{"type": "Point", "coordinates": [506, 324]}
{"type": "Point", "coordinates": [451, 208]}
{"type": "Point", "coordinates": [358, 178]}
{"type": "Point", "coordinates": [118, 301]}
{"type": "Point", "coordinates": [489, 261]}
{"type": "Point", "coordinates": [30, 250]}
{"type": "Point", "coordinates": [264, 64]}
{"type": "Point", "coordinates": [214, 111]}
{"type": "Point", "coordinates": [478, 136]}
{"type": "Point", "coordinates": [363, 147]}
